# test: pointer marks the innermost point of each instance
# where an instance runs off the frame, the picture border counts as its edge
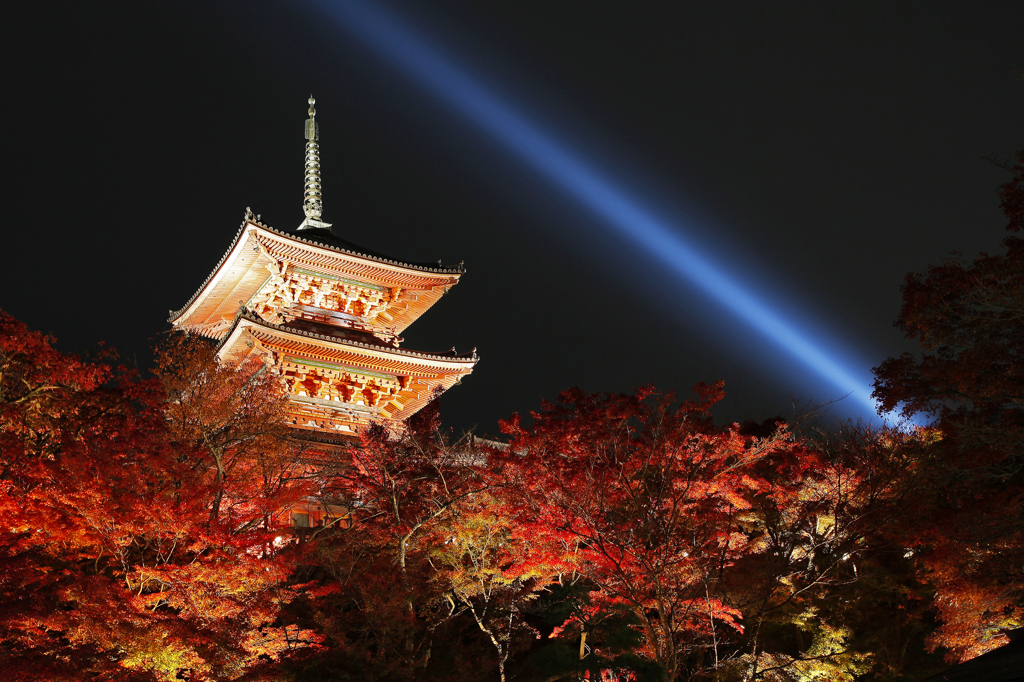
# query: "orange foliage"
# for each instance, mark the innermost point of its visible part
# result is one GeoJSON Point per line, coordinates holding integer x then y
{"type": "Point", "coordinates": [114, 566]}
{"type": "Point", "coordinates": [969, 320]}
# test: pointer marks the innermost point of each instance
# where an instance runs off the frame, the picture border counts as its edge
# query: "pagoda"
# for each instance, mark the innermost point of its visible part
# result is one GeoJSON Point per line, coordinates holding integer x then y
{"type": "Point", "coordinates": [326, 315]}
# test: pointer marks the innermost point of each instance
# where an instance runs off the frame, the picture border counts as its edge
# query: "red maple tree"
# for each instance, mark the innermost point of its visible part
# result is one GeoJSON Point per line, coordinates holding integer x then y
{"type": "Point", "coordinates": [646, 499]}
{"type": "Point", "coordinates": [969, 320]}
{"type": "Point", "coordinates": [112, 566]}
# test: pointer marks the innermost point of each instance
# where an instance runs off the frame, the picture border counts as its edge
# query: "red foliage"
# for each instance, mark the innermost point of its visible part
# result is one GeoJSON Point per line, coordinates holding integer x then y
{"type": "Point", "coordinates": [113, 565]}
{"type": "Point", "coordinates": [969, 321]}
{"type": "Point", "coordinates": [645, 498]}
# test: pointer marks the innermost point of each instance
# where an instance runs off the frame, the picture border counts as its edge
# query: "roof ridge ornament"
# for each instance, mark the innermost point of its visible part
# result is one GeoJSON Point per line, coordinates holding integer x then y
{"type": "Point", "coordinates": [312, 201]}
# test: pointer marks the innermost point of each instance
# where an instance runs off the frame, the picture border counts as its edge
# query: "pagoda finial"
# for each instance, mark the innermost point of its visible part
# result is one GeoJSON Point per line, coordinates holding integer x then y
{"type": "Point", "coordinates": [312, 202]}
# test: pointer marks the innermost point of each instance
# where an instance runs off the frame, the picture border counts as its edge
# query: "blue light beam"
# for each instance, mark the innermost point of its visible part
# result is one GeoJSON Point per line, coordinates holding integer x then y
{"type": "Point", "coordinates": [537, 148]}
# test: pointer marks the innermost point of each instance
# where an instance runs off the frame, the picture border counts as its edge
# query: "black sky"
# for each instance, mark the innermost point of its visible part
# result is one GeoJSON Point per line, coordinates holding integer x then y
{"type": "Point", "coordinates": [828, 147]}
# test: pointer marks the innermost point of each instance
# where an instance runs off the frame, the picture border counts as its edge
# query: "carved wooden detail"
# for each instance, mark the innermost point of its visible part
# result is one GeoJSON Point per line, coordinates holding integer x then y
{"type": "Point", "coordinates": [328, 321]}
{"type": "Point", "coordinates": [341, 385]}
{"type": "Point", "coordinates": [289, 286]}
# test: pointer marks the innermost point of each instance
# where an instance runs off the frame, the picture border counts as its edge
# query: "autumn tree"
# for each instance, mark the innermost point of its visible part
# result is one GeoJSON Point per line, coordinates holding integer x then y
{"type": "Point", "coordinates": [827, 589]}
{"type": "Point", "coordinates": [227, 425]}
{"type": "Point", "coordinates": [230, 419]}
{"type": "Point", "coordinates": [968, 318]}
{"type": "Point", "coordinates": [383, 602]}
{"type": "Point", "coordinates": [112, 568]}
{"type": "Point", "coordinates": [649, 495]}
{"type": "Point", "coordinates": [487, 566]}
{"type": "Point", "coordinates": [734, 553]}
{"type": "Point", "coordinates": [77, 454]}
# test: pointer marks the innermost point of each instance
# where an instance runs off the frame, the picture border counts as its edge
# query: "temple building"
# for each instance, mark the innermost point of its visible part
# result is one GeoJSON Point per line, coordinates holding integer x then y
{"type": "Point", "coordinates": [327, 316]}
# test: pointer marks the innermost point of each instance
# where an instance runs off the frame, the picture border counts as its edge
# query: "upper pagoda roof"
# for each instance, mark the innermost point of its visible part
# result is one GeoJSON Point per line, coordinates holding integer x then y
{"type": "Point", "coordinates": [325, 237]}
{"type": "Point", "coordinates": [257, 248]}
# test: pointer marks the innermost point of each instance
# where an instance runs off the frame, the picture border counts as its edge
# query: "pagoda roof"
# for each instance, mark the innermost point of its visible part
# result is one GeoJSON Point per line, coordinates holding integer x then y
{"type": "Point", "coordinates": [240, 274]}
{"type": "Point", "coordinates": [369, 355]}
{"type": "Point", "coordinates": [345, 336]}
{"type": "Point", "coordinates": [325, 237]}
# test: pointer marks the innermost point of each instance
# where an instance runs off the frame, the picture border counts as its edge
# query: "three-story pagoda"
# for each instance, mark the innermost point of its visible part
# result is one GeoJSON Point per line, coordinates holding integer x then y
{"type": "Point", "coordinates": [327, 316]}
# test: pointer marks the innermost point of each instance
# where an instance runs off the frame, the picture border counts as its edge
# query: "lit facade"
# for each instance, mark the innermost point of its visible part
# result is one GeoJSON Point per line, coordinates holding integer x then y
{"type": "Point", "coordinates": [327, 316]}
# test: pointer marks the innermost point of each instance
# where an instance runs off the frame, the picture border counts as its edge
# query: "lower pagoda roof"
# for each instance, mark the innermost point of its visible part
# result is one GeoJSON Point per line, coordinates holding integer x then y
{"type": "Point", "coordinates": [415, 377]}
{"type": "Point", "coordinates": [346, 337]}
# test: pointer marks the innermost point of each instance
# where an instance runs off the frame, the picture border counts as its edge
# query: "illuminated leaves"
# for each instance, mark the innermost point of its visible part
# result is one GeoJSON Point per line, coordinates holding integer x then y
{"type": "Point", "coordinates": [618, 536]}
{"type": "Point", "coordinates": [732, 549]}
{"type": "Point", "coordinates": [114, 565]}
{"type": "Point", "coordinates": [491, 570]}
{"type": "Point", "coordinates": [969, 320]}
{"type": "Point", "coordinates": [229, 421]}
{"type": "Point", "coordinates": [650, 497]}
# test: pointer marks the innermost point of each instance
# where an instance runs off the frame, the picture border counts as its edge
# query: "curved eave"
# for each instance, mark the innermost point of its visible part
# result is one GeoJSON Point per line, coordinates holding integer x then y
{"type": "Point", "coordinates": [318, 346]}
{"type": "Point", "coordinates": [181, 316]}
{"type": "Point", "coordinates": [240, 273]}
{"type": "Point", "coordinates": [432, 372]}
{"type": "Point", "coordinates": [415, 267]}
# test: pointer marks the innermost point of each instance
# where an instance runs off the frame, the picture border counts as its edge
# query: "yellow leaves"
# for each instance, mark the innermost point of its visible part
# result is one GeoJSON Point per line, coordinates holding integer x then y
{"type": "Point", "coordinates": [163, 656]}
{"type": "Point", "coordinates": [824, 524]}
{"type": "Point", "coordinates": [165, 652]}
{"type": "Point", "coordinates": [826, 660]}
{"type": "Point", "coordinates": [206, 590]}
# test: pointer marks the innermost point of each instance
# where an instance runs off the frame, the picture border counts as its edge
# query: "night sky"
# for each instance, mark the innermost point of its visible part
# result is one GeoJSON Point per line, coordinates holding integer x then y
{"type": "Point", "coordinates": [821, 150]}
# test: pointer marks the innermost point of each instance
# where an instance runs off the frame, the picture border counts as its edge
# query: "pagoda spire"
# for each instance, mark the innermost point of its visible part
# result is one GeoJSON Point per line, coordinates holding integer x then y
{"type": "Point", "coordinates": [312, 202]}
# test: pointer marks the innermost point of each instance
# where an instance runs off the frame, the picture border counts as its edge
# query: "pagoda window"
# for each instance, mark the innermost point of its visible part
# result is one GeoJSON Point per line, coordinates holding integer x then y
{"type": "Point", "coordinates": [300, 520]}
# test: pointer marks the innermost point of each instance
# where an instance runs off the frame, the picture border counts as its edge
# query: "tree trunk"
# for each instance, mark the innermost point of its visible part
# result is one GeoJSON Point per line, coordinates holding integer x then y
{"type": "Point", "coordinates": [583, 650]}
{"type": "Point", "coordinates": [218, 458]}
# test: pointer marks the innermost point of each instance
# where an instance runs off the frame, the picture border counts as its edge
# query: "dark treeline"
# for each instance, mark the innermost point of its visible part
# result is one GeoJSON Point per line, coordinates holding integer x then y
{"type": "Point", "coordinates": [616, 537]}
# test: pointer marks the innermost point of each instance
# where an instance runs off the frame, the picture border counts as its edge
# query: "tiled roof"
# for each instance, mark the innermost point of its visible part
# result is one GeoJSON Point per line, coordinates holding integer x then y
{"type": "Point", "coordinates": [375, 344]}
{"type": "Point", "coordinates": [337, 332]}
{"type": "Point", "coordinates": [317, 237]}
{"type": "Point", "coordinates": [329, 240]}
{"type": "Point", "coordinates": [174, 314]}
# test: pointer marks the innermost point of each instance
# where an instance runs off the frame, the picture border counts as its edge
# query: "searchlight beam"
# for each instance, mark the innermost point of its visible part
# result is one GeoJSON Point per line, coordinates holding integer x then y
{"type": "Point", "coordinates": [399, 45]}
